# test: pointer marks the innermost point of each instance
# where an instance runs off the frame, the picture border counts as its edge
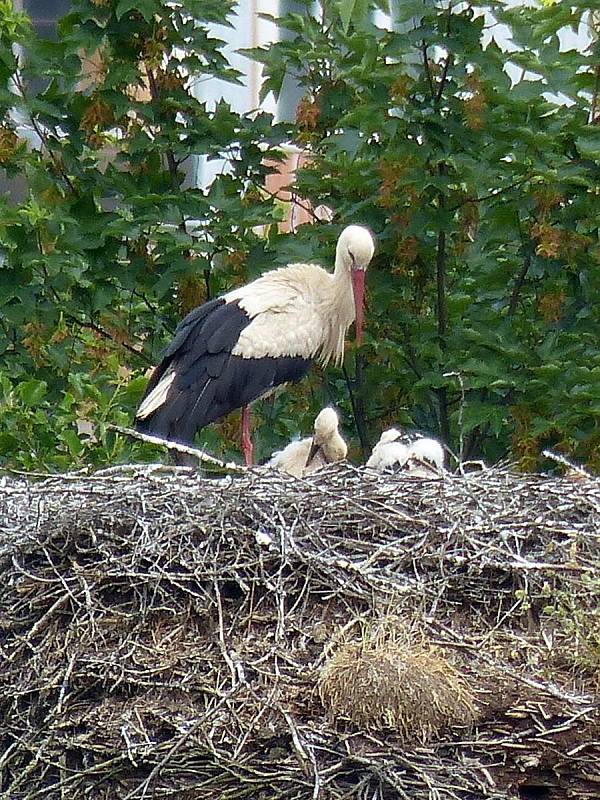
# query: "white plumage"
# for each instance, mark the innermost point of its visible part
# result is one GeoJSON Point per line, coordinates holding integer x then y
{"type": "Point", "coordinates": [428, 451]}
{"type": "Point", "coordinates": [389, 453]}
{"type": "Point", "coordinates": [304, 456]}
{"type": "Point", "coordinates": [422, 457]}
{"type": "Point", "coordinates": [317, 306]}
{"type": "Point", "coordinates": [232, 350]}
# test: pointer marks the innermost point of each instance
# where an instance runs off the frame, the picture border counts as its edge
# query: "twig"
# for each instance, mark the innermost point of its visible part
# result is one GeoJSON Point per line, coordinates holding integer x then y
{"type": "Point", "coordinates": [356, 404]}
{"type": "Point", "coordinates": [93, 326]}
{"type": "Point", "coordinates": [427, 68]}
{"type": "Point", "coordinates": [201, 455]}
{"type": "Point", "coordinates": [443, 77]}
{"type": "Point", "coordinates": [514, 298]}
{"type": "Point", "coordinates": [143, 787]}
{"type": "Point", "coordinates": [155, 94]}
{"type": "Point", "coordinates": [192, 646]}
{"type": "Point", "coordinates": [305, 206]}
{"type": "Point", "coordinates": [490, 195]}
{"type": "Point", "coordinates": [592, 117]}
{"type": "Point", "coordinates": [560, 459]}
{"type": "Point", "coordinates": [461, 410]}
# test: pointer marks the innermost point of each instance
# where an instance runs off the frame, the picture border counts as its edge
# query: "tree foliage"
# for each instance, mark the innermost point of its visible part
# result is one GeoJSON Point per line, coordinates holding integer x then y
{"type": "Point", "coordinates": [477, 168]}
{"type": "Point", "coordinates": [112, 242]}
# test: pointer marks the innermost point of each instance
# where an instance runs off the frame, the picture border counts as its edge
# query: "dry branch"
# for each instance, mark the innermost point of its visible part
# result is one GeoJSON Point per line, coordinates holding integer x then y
{"type": "Point", "coordinates": [177, 447]}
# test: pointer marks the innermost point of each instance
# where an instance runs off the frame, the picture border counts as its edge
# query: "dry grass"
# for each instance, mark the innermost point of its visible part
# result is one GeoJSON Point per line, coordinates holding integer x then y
{"type": "Point", "coordinates": [395, 679]}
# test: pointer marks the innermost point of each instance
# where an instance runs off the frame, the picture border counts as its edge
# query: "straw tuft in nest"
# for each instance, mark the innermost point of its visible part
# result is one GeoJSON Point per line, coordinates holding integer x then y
{"type": "Point", "coordinates": [394, 678]}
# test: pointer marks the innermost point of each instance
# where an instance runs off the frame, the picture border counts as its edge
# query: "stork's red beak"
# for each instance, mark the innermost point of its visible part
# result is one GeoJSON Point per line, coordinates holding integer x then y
{"type": "Point", "coordinates": [358, 287]}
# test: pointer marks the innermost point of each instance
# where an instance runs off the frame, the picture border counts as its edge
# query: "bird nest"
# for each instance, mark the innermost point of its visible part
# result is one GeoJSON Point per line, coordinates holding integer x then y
{"type": "Point", "coordinates": [350, 635]}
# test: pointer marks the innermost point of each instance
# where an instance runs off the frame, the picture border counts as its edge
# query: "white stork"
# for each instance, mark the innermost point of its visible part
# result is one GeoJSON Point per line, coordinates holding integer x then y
{"type": "Point", "coordinates": [418, 455]}
{"type": "Point", "coordinates": [389, 452]}
{"type": "Point", "coordinates": [238, 347]}
{"type": "Point", "coordinates": [304, 456]}
{"type": "Point", "coordinates": [428, 451]}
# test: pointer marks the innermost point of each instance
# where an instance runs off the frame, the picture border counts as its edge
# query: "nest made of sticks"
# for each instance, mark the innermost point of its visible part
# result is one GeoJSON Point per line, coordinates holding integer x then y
{"type": "Point", "coordinates": [350, 635]}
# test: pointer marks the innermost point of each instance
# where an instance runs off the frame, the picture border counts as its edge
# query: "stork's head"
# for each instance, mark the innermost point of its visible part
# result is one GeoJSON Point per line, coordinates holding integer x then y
{"type": "Point", "coordinates": [391, 435]}
{"type": "Point", "coordinates": [326, 424]}
{"type": "Point", "coordinates": [327, 437]}
{"type": "Point", "coordinates": [354, 251]}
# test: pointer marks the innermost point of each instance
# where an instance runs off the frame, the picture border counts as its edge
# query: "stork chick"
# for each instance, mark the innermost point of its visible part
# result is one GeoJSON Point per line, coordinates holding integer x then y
{"type": "Point", "coordinates": [418, 455]}
{"type": "Point", "coordinates": [389, 452]}
{"type": "Point", "coordinates": [236, 348]}
{"type": "Point", "coordinates": [428, 451]}
{"type": "Point", "coordinates": [304, 456]}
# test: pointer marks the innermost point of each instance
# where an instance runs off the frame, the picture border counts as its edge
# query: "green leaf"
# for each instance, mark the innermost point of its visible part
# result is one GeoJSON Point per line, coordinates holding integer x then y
{"type": "Point", "coordinates": [73, 442]}
{"type": "Point", "coordinates": [479, 414]}
{"type": "Point", "coordinates": [346, 9]}
{"type": "Point", "coordinates": [32, 391]}
{"type": "Point", "coordinates": [588, 144]}
{"type": "Point", "coordinates": [147, 8]}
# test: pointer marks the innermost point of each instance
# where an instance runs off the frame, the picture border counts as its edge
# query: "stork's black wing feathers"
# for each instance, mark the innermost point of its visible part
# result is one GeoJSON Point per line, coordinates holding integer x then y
{"type": "Point", "coordinates": [216, 364]}
{"type": "Point", "coordinates": [209, 381]}
{"type": "Point", "coordinates": [246, 379]}
{"type": "Point", "coordinates": [189, 322]}
{"type": "Point", "coordinates": [226, 324]}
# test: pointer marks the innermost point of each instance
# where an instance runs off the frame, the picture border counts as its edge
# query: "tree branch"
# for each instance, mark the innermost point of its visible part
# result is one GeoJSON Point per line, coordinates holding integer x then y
{"type": "Point", "coordinates": [440, 279]}
{"type": "Point", "coordinates": [84, 323]}
{"type": "Point", "coordinates": [410, 355]}
{"type": "Point", "coordinates": [178, 448]}
{"type": "Point", "coordinates": [428, 69]}
{"type": "Point", "coordinates": [43, 137]}
{"type": "Point", "coordinates": [442, 315]}
{"type": "Point", "coordinates": [527, 248]}
{"type": "Point", "coordinates": [155, 95]}
{"type": "Point", "coordinates": [437, 94]}
{"type": "Point", "coordinates": [296, 201]}
{"type": "Point", "coordinates": [560, 459]}
{"type": "Point", "coordinates": [444, 76]}
{"type": "Point", "coordinates": [514, 298]}
{"type": "Point", "coordinates": [592, 118]}
{"type": "Point", "coordinates": [442, 398]}
{"type": "Point", "coordinates": [490, 195]}
{"type": "Point", "coordinates": [358, 410]}
{"type": "Point", "coordinates": [93, 326]}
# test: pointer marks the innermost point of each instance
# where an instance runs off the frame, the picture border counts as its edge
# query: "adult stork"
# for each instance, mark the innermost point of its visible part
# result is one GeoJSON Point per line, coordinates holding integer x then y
{"type": "Point", "coordinates": [236, 348]}
{"type": "Point", "coordinates": [304, 456]}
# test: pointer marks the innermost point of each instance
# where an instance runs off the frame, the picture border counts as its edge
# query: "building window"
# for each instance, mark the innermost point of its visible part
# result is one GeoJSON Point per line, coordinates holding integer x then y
{"type": "Point", "coordinates": [44, 14]}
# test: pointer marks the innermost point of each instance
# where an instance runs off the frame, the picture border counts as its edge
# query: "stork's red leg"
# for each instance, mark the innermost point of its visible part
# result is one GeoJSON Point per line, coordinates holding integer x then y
{"type": "Point", "coordinates": [246, 440]}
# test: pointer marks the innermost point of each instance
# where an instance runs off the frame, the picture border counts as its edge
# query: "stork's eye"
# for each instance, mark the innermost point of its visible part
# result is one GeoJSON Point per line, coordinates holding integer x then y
{"type": "Point", "coordinates": [353, 259]}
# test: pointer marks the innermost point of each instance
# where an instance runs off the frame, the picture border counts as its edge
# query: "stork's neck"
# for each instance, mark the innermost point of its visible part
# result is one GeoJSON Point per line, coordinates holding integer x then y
{"type": "Point", "coordinates": [338, 313]}
{"type": "Point", "coordinates": [343, 293]}
{"type": "Point", "coordinates": [340, 272]}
